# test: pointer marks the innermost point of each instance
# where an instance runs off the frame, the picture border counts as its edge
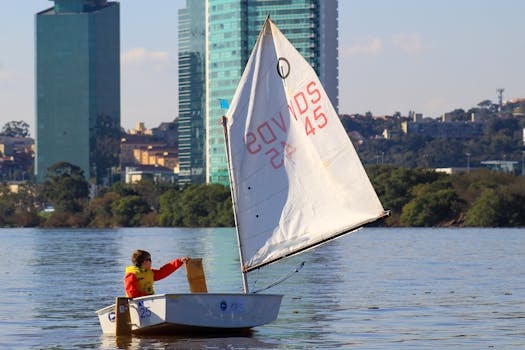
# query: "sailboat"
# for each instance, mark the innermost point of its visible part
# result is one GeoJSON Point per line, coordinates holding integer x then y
{"type": "Point", "coordinates": [296, 183]}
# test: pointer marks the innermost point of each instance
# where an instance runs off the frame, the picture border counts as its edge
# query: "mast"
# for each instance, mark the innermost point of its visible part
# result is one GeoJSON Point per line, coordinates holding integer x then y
{"type": "Point", "coordinates": [224, 122]}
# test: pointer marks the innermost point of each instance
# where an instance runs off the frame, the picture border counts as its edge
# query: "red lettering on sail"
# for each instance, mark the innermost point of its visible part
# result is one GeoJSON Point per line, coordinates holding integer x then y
{"type": "Point", "coordinates": [313, 90]}
{"type": "Point", "coordinates": [292, 110]}
{"type": "Point", "coordinates": [266, 133]}
{"type": "Point", "coordinates": [301, 102]}
{"type": "Point", "coordinates": [280, 123]}
{"type": "Point", "coordinates": [309, 129]}
{"type": "Point", "coordinates": [249, 140]}
{"type": "Point", "coordinates": [269, 137]}
{"type": "Point", "coordinates": [276, 159]}
{"type": "Point", "coordinates": [320, 117]}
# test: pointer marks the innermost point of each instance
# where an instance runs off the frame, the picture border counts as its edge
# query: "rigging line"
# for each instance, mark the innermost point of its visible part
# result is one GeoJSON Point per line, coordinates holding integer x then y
{"type": "Point", "coordinates": [297, 269]}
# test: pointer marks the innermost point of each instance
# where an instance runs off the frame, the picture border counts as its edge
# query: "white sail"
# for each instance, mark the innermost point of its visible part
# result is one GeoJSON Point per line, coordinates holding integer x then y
{"type": "Point", "coordinates": [296, 178]}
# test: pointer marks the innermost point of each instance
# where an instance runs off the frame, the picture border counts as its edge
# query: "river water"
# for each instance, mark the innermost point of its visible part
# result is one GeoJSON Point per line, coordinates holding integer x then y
{"type": "Point", "coordinates": [375, 289]}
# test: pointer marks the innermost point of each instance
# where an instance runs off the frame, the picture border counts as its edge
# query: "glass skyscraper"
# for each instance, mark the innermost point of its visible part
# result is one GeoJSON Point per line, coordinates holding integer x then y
{"type": "Point", "coordinates": [232, 27]}
{"type": "Point", "coordinates": [192, 93]}
{"type": "Point", "coordinates": [78, 87]}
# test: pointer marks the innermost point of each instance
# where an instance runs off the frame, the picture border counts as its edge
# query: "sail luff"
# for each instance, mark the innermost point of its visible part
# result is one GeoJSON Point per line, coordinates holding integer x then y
{"type": "Point", "coordinates": [232, 178]}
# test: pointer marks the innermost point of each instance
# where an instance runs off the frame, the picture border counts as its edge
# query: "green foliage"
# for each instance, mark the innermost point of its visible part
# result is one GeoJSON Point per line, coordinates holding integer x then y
{"type": "Point", "coordinates": [66, 219]}
{"type": "Point", "coordinates": [393, 185]}
{"type": "Point", "coordinates": [425, 198]}
{"type": "Point", "coordinates": [197, 206]}
{"type": "Point", "coordinates": [65, 187]}
{"type": "Point", "coordinates": [128, 211]}
{"type": "Point", "coordinates": [122, 189]}
{"type": "Point", "coordinates": [442, 153]}
{"type": "Point", "coordinates": [7, 211]}
{"type": "Point", "coordinates": [100, 210]}
{"type": "Point", "coordinates": [432, 204]}
{"type": "Point", "coordinates": [151, 191]}
{"type": "Point", "coordinates": [503, 206]}
{"type": "Point", "coordinates": [500, 138]}
{"type": "Point", "coordinates": [170, 214]}
{"type": "Point", "coordinates": [417, 197]}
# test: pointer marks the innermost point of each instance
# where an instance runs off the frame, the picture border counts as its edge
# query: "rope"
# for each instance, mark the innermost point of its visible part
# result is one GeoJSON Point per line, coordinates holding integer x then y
{"type": "Point", "coordinates": [297, 269]}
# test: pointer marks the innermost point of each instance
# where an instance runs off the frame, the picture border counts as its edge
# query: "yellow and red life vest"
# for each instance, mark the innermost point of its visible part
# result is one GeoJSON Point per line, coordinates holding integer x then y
{"type": "Point", "coordinates": [144, 277]}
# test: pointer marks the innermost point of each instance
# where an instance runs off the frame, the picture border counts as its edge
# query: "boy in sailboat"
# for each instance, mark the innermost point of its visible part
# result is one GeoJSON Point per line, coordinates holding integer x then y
{"type": "Point", "coordinates": [139, 277]}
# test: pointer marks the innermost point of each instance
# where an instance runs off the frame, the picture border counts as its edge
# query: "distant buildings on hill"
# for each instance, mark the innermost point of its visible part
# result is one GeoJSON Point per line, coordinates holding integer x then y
{"type": "Point", "coordinates": [154, 153]}
{"type": "Point", "coordinates": [16, 158]}
{"type": "Point", "coordinates": [443, 127]}
{"type": "Point", "coordinates": [150, 153]}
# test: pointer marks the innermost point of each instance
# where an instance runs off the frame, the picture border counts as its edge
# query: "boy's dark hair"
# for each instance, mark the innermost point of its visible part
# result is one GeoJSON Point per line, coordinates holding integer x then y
{"type": "Point", "coordinates": [139, 256]}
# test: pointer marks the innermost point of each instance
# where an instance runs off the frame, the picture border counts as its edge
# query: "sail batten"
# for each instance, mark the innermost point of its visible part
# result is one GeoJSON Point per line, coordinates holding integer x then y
{"type": "Point", "coordinates": [296, 179]}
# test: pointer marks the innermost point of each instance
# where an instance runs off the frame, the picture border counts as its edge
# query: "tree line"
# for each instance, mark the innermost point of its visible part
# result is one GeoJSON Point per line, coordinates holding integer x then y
{"type": "Point", "coordinates": [425, 198]}
{"type": "Point", "coordinates": [64, 200]}
{"type": "Point", "coordinates": [416, 198]}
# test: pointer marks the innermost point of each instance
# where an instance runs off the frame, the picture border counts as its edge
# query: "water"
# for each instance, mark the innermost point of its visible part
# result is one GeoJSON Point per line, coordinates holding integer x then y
{"type": "Point", "coordinates": [376, 289]}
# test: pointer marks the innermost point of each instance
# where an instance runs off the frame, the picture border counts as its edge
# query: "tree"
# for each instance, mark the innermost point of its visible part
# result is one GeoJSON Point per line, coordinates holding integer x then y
{"type": "Point", "coordinates": [123, 189]}
{"type": "Point", "coordinates": [151, 191]}
{"type": "Point", "coordinates": [203, 205]}
{"type": "Point", "coordinates": [100, 210]}
{"type": "Point", "coordinates": [485, 104]}
{"type": "Point", "coordinates": [7, 211]}
{"type": "Point", "coordinates": [65, 187]}
{"type": "Point", "coordinates": [441, 152]}
{"type": "Point", "coordinates": [433, 204]}
{"type": "Point", "coordinates": [393, 185]}
{"type": "Point", "coordinates": [15, 129]}
{"type": "Point", "coordinates": [129, 210]}
{"type": "Point", "coordinates": [170, 212]}
{"type": "Point", "coordinates": [500, 207]}
{"type": "Point", "coordinates": [197, 206]}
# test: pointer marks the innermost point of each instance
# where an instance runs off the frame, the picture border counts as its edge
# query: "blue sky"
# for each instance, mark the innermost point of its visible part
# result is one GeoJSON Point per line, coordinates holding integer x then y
{"type": "Point", "coordinates": [430, 56]}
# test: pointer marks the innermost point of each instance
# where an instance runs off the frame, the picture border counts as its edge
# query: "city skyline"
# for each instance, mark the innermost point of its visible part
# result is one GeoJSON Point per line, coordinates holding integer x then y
{"type": "Point", "coordinates": [429, 57]}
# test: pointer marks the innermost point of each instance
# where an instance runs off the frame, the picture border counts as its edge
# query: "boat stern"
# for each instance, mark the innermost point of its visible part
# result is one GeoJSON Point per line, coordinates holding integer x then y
{"type": "Point", "coordinates": [107, 318]}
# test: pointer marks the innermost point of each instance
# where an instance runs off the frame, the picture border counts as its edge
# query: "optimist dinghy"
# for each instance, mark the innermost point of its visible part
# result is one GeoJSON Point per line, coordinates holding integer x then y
{"type": "Point", "coordinates": [296, 183]}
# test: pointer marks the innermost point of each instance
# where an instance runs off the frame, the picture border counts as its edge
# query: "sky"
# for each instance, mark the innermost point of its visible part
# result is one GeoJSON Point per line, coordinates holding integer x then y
{"type": "Point", "coordinates": [427, 56]}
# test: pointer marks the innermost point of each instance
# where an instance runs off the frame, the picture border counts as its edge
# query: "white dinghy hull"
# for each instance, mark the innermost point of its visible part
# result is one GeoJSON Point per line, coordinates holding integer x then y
{"type": "Point", "coordinates": [195, 312]}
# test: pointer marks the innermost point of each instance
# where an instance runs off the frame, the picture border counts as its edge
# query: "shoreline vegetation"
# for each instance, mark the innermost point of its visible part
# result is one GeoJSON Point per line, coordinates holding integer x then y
{"type": "Point", "coordinates": [416, 197]}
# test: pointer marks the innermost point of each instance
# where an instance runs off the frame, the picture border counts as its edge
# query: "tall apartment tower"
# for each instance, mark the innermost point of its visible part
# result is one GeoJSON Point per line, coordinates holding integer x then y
{"type": "Point", "coordinates": [231, 30]}
{"type": "Point", "coordinates": [192, 92]}
{"type": "Point", "coordinates": [78, 87]}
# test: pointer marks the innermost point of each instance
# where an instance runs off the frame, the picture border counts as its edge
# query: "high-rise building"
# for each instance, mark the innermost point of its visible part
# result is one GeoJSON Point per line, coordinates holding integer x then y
{"type": "Point", "coordinates": [192, 53]}
{"type": "Point", "coordinates": [78, 87]}
{"type": "Point", "coordinates": [232, 28]}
